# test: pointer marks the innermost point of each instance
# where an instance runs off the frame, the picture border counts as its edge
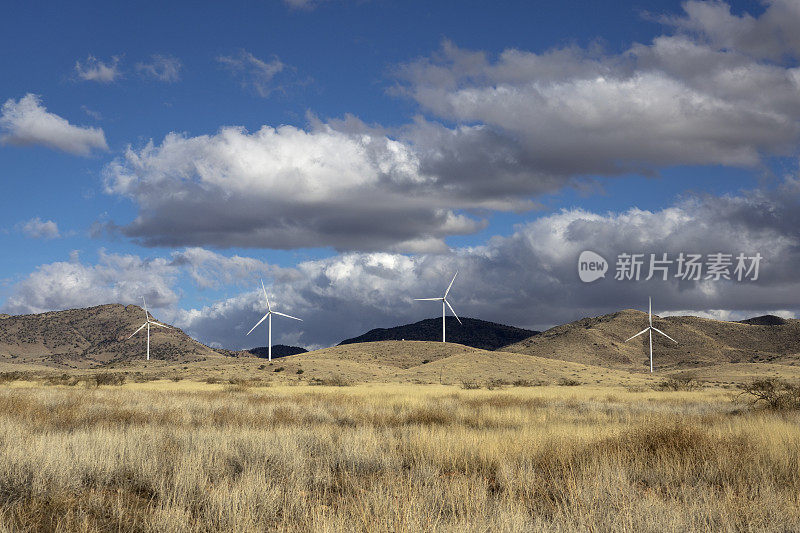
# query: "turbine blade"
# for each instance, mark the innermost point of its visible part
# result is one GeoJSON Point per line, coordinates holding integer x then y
{"type": "Point", "coordinates": [269, 307]}
{"type": "Point", "coordinates": [454, 312]}
{"type": "Point", "coordinates": [257, 323]}
{"type": "Point", "coordinates": [287, 316]}
{"type": "Point", "coordinates": [667, 336]}
{"type": "Point", "coordinates": [146, 316]}
{"type": "Point", "coordinates": [428, 299]}
{"type": "Point", "coordinates": [451, 284]}
{"type": "Point", "coordinates": [138, 330]}
{"type": "Point", "coordinates": [643, 331]}
{"type": "Point", "coordinates": [160, 325]}
{"type": "Point", "coordinates": [650, 309]}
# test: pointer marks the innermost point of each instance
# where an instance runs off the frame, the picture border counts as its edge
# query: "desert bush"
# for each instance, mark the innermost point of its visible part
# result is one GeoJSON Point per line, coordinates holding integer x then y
{"type": "Point", "coordinates": [300, 371]}
{"type": "Point", "coordinates": [771, 393]}
{"type": "Point", "coordinates": [470, 384]}
{"type": "Point", "coordinates": [6, 377]}
{"type": "Point", "coordinates": [332, 381]}
{"type": "Point", "coordinates": [679, 382]}
{"type": "Point", "coordinates": [109, 378]}
{"type": "Point", "coordinates": [279, 369]}
{"type": "Point", "coordinates": [568, 382]}
{"type": "Point", "coordinates": [63, 379]}
{"type": "Point", "coordinates": [493, 384]}
{"type": "Point", "coordinates": [528, 383]}
{"type": "Point", "coordinates": [213, 380]}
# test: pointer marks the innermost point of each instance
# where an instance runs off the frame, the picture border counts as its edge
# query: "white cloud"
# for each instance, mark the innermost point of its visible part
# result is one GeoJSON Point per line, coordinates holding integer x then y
{"type": "Point", "coordinates": [114, 279]}
{"type": "Point", "coordinates": [253, 72]}
{"type": "Point", "coordinates": [162, 68]}
{"type": "Point", "coordinates": [571, 112]}
{"type": "Point", "coordinates": [526, 279]}
{"type": "Point", "coordinates": [95, 70]}
{"type": "Point", "coordinates": [36, 228]}
{"type": "Point", "coordinates": [26, 122]}
{"type": "Point", "coordinates": [286, 188]}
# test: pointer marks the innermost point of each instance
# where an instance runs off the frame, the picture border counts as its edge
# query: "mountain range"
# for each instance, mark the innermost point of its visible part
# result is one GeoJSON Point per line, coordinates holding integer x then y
{"type": "Point", "coordinates": [471, 332]}
{"type": "Point", "coordinates": [98, 336]}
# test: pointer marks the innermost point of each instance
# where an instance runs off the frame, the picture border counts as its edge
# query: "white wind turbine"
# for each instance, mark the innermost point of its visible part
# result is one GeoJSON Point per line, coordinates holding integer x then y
{"type": "Point", "coordinates": [651, 328]}
{"type": "Point", "coordinates": [444, 301]}
{"type": "Point", "coordinates": [147, 324]}
{"type": "Point", "coordinates": [269, 314]}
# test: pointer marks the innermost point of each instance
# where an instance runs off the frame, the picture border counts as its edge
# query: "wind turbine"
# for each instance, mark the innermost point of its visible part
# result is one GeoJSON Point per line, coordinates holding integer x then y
{"type": "Point", "coordinates": [147, 323]}
{"type": "Point", "coordinates": [651, 328]}
{"type": "Point", "coordinates": [444, 301]}
{"type": "Point", "coordinates": [269, 314]}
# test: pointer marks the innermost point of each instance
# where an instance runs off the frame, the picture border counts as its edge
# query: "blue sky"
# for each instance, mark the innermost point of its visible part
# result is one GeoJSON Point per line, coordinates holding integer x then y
{"type": "Point", "coordinates": [435, 133]}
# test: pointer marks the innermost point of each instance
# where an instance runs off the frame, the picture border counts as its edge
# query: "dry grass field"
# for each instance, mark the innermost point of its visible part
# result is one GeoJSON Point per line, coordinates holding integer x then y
{"type": "Point", "coordinates": [192, 456]}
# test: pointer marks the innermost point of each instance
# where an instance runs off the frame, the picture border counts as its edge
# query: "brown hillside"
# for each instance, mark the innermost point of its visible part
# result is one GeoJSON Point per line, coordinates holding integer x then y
{"type": "Point", "coordinates": [701, 342]}
{"type": "Point", "coordinates": [432, 362]}
{"type": "Point", "coordinates": [91, 337]}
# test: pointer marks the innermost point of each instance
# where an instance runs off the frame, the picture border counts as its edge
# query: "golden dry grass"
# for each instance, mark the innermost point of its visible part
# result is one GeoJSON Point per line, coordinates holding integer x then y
{"type": "Point", "coordinates": [189, 456]}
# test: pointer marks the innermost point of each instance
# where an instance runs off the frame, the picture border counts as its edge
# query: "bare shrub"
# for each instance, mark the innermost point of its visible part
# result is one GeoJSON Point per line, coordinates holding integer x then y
{"type": "Point", "coordinates": [109, 378]}
{"type": "Point", "coordinates": [771, 393]}
{"type": "Point", "coordinates": [568, 382]}
{"type": "Point", "coordinates": [332, 381]}
{"type": "Point", "coordinates": [528, 383]}
{"type": "Point", "coordinates": [470, 384]}
{"type": "Point", "coordinates": [493, 384]}
{"type": "Point", "coordinates": [679, 382]}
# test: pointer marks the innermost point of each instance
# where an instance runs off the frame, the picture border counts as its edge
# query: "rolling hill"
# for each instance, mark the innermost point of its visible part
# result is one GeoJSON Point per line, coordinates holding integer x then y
{"type": "Point", "coordinates": [434, 362]}
{"type": "Point", "coordinates": [90, 337]}
{"type": "Point", "coordinates": [475, 333]}
{"type": "Point", "coordinates": [701, 341]}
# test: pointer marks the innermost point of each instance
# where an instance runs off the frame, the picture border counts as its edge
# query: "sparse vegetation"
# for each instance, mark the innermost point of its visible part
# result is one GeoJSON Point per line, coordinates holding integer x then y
{"type": "Point", "coordinates": [568, 382]}
{"type": "Point", "coordinates": [109, 378]}
{"type": "Point", "coordinates": [680, 382]}
{"type": "Point", "coordinates": [470, 384]}
{"type": "Point", "coordinates": [333, 381]}
{"type": "Point", "coordinates": [774, 394]}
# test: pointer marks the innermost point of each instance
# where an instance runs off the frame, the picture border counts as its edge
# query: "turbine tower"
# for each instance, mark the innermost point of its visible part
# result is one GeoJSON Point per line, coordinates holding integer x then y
{"type": "Point", "coordinates": [269, 314]}
{"type": "Point", "coordinates": [651, 328]}
{"type": "Point", "coordinates": [444, 301]}
{"type": "Point", "coordinates": [147, 323]}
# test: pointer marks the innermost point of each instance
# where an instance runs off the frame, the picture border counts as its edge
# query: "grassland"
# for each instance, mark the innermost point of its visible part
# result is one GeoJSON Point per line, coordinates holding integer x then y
{"type": "Point", "coordinates": [190, 456]}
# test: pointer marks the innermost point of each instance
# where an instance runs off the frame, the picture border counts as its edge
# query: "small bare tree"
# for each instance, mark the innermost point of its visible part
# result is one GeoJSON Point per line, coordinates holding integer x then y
{"type": "Point", "coordinates": [771, 393]}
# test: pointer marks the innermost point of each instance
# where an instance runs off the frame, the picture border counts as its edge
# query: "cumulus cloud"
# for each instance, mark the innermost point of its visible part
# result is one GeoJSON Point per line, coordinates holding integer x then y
{"type": "Point", "coordinates": [26, 121]}
{"type": "Point", "coordinates": [254, 73]}
{"type": "Point", "coordinates": [286, 188]}
{"type": "Point", "coordinates": [113, 279]}
{"type": "Point", "coordinates": [162, 68]}
{"type": "Point", "coordinates": [528, 278]}
{"type": "Point", "coordinates": [773, 35]}
{"type": "Point", "coordinates": [100, 71]}
{"type": "Point", "coordinates": [494, 134]}
{"type": "Point", "coordinates": [36, 228]}
{"type": "Point", "coordinates": [572, 112]}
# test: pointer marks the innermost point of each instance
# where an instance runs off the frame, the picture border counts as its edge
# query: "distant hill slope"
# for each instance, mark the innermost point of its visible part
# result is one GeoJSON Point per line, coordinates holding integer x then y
{"type": "Point", "coordinates": [701, 341]}
{"type": "Point", "coordinates": [435, 362]}
{"type": "Point", "coordinates": [475, 333]}
{"type": "Point", "coordinates": [91, 337]}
